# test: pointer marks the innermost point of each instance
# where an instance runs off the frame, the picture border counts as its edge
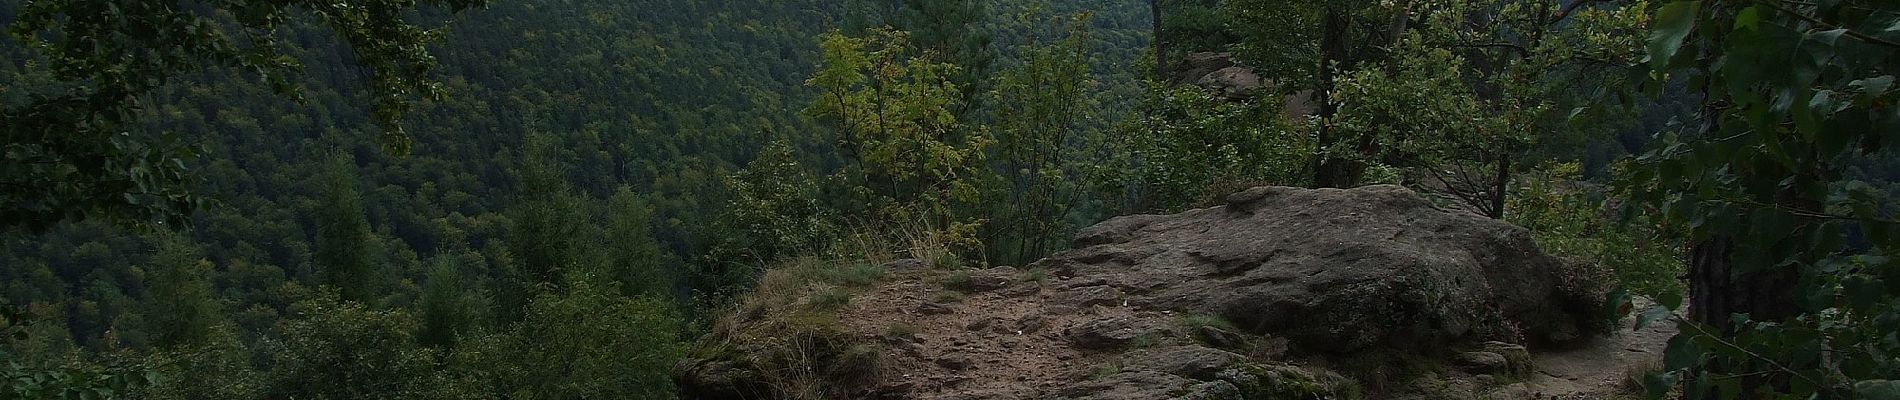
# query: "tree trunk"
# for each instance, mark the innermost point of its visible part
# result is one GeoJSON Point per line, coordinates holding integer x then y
{"type": "Point", "coordinates": [1161, 46]}
{"type": "Point", "coordinates": [1717, 290]}
{"type": "Point", "coordinates": [1330, 172]}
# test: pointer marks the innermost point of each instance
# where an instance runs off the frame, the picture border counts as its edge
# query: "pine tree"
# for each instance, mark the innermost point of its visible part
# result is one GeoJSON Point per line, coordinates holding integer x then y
{"type": "Point", "coordinates": [634, 259]}
{"type": "Point", "coordinates": [547, 224]}
{"type": "Point", "coordinates": [181, 310]}
{"type": "Point", "coordinates": [950, 28]}
{"type": "Point", "coordinates": [343, 233]}
{"type": "Point", "coordinates": [444, 304]}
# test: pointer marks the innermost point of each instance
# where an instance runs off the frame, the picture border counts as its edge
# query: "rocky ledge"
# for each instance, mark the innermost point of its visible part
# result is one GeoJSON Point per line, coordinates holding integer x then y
{"type": "Point", "coordinates": [1262, 298]}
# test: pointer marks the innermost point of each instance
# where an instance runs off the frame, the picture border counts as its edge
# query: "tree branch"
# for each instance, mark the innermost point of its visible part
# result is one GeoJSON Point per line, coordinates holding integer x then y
{"type": "Point", "coordinates": [1758, 357]}
{"type": "Point", "coordinates": [1824, 24]}
{"type": "Point", "coordinates": [1572, 8]}
{"type": "Point", "coordinates": [1816, 214]}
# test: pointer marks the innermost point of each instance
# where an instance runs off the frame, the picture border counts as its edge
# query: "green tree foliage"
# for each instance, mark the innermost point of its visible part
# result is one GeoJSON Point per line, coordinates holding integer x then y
{"type": "Point", "coordinates": [1571, 218]}
{"type": "Point", "coordinates": [1472, 86]}
{"type": "Point", "coordinates": [775, 212]}
{"type": "Point", "coordinates": [634, 260]}
{"type": "Point", "coordinates": [1193, 26]}
{"type": "Point", "coordinates": [582, 343]}
{"type": "Point", "coordinates": [546, 229]}
{"type": "Point", "coordinates": [219, 369]}
{"type": "Point", "coordinates": [445, 305]}
{"type": "Point", "coordinates": [72, 381]}
{"type": "Point", "coordinates": [343, 350]}
{"type": "Point", "coordinates": [343, 235]}
{"type": "Point", "coordinates": [893, 108]}
{"type": "Point", "coordinates": [1310, 45]}
{"type": "Point", "coordinates": [1452, 94]}
{"type": "Point", "coordinates": [1040, 108]}
{"type": "Point", "coordinates": [1793, 294]}
{"type": "Point", "coordinates": [1192, 145]}
{"type": "Point", "coordinates": [181, 310]}
{"type": "Point", "coordinates": [68, 153]}
{"type": "Point", "coordinates": [952, 30]}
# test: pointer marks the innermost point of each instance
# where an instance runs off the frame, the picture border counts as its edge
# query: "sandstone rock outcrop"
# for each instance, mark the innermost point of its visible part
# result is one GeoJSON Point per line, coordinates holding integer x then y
{"type": "Point", "coordinates": [1227, 302]}
{"type": "Point", "coordinates": [1339, 270]}
{"type": "Point", "coordinates": [1221, 75]}
{"type": "Point", "coordinates": [1219, 72]}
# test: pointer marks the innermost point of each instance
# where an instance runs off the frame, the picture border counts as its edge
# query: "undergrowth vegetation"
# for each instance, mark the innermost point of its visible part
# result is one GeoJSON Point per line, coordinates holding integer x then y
{"type": "Point", "coordinates": [788, 328]}
{"type": "Point", "coordinates": [1576, 220]}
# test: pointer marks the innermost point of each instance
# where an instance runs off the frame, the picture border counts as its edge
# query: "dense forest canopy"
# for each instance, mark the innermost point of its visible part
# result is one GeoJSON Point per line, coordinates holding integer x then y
{"type": "Point", "coordinates": [551, 198]}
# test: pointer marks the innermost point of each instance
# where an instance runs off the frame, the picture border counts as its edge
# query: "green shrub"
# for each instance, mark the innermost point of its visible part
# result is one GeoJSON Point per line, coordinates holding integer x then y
{"type": "Point", "coordinates": [583, 343]}
{"type": "Point", "coordinates": [1570, 219]}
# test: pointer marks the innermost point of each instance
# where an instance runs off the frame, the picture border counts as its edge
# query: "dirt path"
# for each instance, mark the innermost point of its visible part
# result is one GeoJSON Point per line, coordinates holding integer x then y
{"type": "Point", "coordinates": [1598, 371]}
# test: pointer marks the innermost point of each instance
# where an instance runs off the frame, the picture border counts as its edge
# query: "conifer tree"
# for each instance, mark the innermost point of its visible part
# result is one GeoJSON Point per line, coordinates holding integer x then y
{"type": "Point", "coordinates": [547, 224]}
{"type": "Point", "coordinates": [444, 304]}
{"type": "Point", "coordinates": [343, 234]}
{"type": "Point", "coordinates": [953, 30]}
{"type": "Point", "coordinates": [181, 309]}
{"type": "Point", "coordinates": [634, 259]}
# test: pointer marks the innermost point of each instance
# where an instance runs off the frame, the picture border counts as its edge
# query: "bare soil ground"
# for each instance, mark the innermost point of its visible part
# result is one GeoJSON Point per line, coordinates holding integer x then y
{"type": "Point", "coordinates": [1001, 344]}
{"type": "Point", "coordinates": [1600, 370]}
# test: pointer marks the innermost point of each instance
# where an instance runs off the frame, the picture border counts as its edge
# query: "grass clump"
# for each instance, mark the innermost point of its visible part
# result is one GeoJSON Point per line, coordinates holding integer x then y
{"type": "Point", "coordinates": [1145, 340]}
{"type": "Point", "coordinates": [830, 299]}
{"type": "Point", "coordinates": [1106, 370]}
{"type": "Point", "coordinates": [1288, 382]}
{"type": "Point", "coordinates": [947, 297]}
{"type": "Point", "coordinates": [785, 340]}
{"type": "Point", "coordinates": [857, 275]}
{"type": "Point", "coordinates": [902, 330]}
{"type": "Point", "coordinates": [958, 279]}
{"type": "Point", "coordinates": [1037, 274]}
{"type": "Point", "coordinates": [1194, 322]}
{"type": "Point", "coordinates": [946, 260]}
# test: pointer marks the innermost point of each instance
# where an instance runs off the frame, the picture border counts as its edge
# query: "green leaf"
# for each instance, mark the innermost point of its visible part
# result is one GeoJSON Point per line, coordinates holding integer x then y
{"type": "Point", "coordinates": [1863, 293]}
{"type": "Point", "coordinates": [1659, 385]}
{"type": "Point", "coordinates": [1682, 352]}
{"type": "Point", "coordinates": [1672, 25]}
{"type": "Point", "coordinates": [1877, 390]}
{"type": "Point", "coordinates": [1748, 19]}
{"type": "Point", "coordinates": [1672, 300]}
{"type": "Point", "coordinates": [1617, 302]}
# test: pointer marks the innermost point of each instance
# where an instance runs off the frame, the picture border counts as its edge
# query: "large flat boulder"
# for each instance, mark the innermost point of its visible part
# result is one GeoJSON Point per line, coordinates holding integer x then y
{"type": "Point", "coordinates": [1339, 270]}
{"type": "Point", "coordinates": [1256, 299]}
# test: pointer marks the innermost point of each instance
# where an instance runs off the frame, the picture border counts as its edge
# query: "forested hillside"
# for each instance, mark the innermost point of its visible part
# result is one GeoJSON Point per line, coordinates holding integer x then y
{"type": "Point", "coordinates": [574, 138]}
{"type": "Point", "coordinates": [554, 199]}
